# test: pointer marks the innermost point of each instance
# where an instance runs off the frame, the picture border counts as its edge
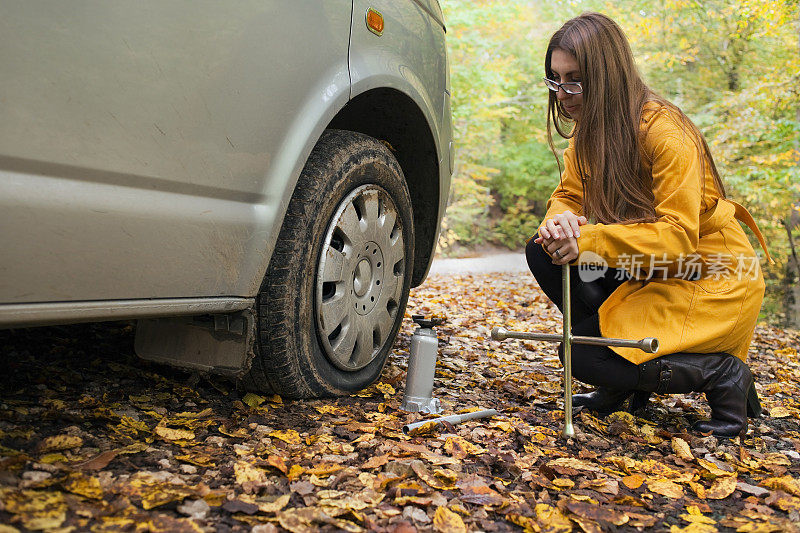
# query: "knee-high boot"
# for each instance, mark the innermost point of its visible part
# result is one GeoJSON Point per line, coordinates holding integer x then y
{"type": "Point", "coordinates": [726, 381]}
{"type": "Point", "coordinates": [605, 400]}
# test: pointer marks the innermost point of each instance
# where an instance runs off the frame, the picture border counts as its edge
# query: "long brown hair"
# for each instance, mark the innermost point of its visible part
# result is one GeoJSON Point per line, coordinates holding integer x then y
{"type": "Point", "coordinates": [608, 134]}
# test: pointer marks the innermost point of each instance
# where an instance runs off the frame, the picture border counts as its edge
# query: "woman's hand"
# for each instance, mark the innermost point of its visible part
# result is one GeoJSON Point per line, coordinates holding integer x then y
{"type": "Point", "coordinates": [562, 226]}
{"type": "Point", "coordinates": [563, 251]}
{"type": "Point", "coordinates": [559, 236]}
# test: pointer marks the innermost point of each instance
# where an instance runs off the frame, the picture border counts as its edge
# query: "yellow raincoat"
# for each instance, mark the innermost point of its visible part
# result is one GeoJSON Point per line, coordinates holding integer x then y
{"type": "Point", "coordinates": [695, 233]}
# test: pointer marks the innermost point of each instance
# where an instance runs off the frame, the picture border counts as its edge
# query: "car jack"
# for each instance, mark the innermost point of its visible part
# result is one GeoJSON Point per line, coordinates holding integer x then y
{"type": "Point", "coordinates": [649, 345]}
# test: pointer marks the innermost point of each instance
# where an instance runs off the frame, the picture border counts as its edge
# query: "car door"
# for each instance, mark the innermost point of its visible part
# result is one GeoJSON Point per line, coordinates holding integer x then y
{"type": "Point", "coordinates": [139, 140]}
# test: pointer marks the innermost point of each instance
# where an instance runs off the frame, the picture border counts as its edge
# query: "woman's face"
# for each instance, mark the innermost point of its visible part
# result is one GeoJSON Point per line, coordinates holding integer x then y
{"type": "Point", "coordinates": [565, 69]}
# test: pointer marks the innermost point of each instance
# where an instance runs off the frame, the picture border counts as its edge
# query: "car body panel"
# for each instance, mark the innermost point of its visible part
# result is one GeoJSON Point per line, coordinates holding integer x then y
{"type": "Point", "coordinates": [148, 151]}
{"type": "Point", "coordinates": [383, 61]}
{"type": "Point", "coordinates": [163, 138]}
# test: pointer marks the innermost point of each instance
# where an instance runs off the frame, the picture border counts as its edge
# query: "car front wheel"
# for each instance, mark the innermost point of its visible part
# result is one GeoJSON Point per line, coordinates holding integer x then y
{"type": "Point", "coordinates": [338, 281]}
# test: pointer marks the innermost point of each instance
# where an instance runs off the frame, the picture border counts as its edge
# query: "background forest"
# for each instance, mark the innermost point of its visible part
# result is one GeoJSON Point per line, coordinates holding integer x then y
{"type": "Point", "coordinates": [732, 66]}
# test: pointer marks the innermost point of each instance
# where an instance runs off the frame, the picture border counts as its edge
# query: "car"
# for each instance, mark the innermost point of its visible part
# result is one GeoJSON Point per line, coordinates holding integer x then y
{"type": "Point", "coordinates": [257, 184]}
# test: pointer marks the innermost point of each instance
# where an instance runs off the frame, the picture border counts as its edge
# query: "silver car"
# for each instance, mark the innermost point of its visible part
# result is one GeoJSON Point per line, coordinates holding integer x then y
{"type": "Point", "coordinates": [258, 183]}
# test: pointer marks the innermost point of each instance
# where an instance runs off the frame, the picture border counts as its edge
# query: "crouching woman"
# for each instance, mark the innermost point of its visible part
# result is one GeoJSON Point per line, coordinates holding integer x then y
{"type": "Point", "coordinates": [640, 189]}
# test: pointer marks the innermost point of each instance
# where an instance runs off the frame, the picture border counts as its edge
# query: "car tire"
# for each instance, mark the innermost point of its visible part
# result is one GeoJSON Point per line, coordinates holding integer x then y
{"type": "Point", "coordinates": [337, 284]}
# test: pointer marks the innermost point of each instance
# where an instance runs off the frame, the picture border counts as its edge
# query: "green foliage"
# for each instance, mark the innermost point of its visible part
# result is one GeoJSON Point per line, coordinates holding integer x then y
{"type": "Point", "coordinates": [734, 68]}
{"type": "Point", "coordinates": [731, 65]}
{"type": "Point", "coordinates": [496, 50]}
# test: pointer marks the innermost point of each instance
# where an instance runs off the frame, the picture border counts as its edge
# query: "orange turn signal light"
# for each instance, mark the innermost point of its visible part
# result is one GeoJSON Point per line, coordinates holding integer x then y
{"type": "Point", "coordinates": [374, 21]}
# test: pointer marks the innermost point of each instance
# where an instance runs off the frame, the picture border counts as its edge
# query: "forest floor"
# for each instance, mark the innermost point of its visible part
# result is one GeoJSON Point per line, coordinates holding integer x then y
{"type": "Point", "coordinates": [92, 438]}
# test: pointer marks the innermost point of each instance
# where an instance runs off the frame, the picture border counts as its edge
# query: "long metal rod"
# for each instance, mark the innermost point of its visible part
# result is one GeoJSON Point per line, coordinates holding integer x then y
{"type": "Point", "coordinates": [566, 344]}
{"type": "Point", "coordinates": [453, 419]}
{"type": "Point", "coordinates": [499, 333]}
{"type": "Point", "coordinates": [648, 344]}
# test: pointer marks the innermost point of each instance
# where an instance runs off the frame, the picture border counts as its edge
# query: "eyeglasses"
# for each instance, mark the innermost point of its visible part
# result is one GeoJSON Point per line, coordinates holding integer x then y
{"type": "Point", "coordinates": [571, 87]}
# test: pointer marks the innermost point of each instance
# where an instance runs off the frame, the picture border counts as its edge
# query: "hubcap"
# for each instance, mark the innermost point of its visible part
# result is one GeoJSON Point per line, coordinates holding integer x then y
{"type": "Point", "coordinates": [360, 278]}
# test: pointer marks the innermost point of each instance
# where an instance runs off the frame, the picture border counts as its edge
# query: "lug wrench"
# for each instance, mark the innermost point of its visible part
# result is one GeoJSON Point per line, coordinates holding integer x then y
{"type": "Point", "coordinates": [499, 333]}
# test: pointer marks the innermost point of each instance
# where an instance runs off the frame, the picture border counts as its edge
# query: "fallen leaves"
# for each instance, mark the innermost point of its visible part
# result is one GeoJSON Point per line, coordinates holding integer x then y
{"type": "Point", "coordinates": [785, 483]}
{"type": "Point", "coordinates": [174, 434]}
{"type": "Point", "coordinates": [665, 487]}
{"type": "Point", "coordinates": [247, 472]}
{"type": "Point", "coordinates": [83, 485]}
{"type": "Point", "coordinates": [288, 436]}
{"type": "Point", "coordinates": [634, 481]}
{"type": "Point", "coordinates": [721, 488]}
{"type": "Point", "coordinates": [126, 448]}
{"type": "Point", "coordinates": [446, 521]}
{"type": "Point", "coordinates": [59, 443]}
{"type": "Point", "coordinates": [36, 510]}
{"type": "Point", "coordinates": [155, 490]}
{"type": "Point", "coordinates": [681, 449]}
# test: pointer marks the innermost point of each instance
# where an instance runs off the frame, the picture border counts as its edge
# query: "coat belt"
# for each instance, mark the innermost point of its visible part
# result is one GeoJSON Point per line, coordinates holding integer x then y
{"type": "Point", "coordinates": [718, 216]}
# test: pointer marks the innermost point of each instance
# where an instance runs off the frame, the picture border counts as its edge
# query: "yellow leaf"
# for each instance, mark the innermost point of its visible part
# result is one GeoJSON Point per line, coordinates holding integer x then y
{"type": "Point", "coordinates": [197, 458]}
{"type": "Point", "coordinates": [295, 472]}
{"type": "Point", "coordinates": [324, 469]}
{"type": "Point", "coordinates": [289, 436]}
{"type": "Point", "coordinates": [785, 483]}
{"type": "Point", "coordinates": [245, 472]}
{"type": "Point", "coordinates": [425, 429]}
{"type": "Point", "coordinates": [386, 389]}
{"type": "Point", "coordinates": [552, 519]}
{"type": "Point", "coordinates": [274, 506]}
{"type": "Point", "coordinates": [253, 400]}
{"type": "Point", "coordinates": [574, 462]}
{"type": "Point", "coordinates": [711, 470]}
{"type": "Point", "coordinates": [36, 509]}
{"type": "Point", "coordinates": [331, 410]}
{"type": "Point", "coordinates": [502, 425]}
{"type": "Point", "coordinates": [787, 503]}
{"type": "Point", "coordinates": [681, 449]}
{"type": "Point", "coordinates": [528, 524]}
{"type": "Point", "coordinates": [43, 522]}
{"type": "Point", "coordinates": [430, 479]}
{"type": "Point", "coordinates": [318, 481]}
{"type": "Point", "coordinates": [51, 458]}
{"type": "Point", "coordinates": [666, 488]}
{"type": "Point", "coordinates": [154, 492]}
{"type": "Point", "coordinates": [174, 434]}
{"type": "Point", "coordinates": [634, 481]}
{"type": "Point", "coordinates": [241, 433]}
{"type": "Point", "coordinates": [779, 411]}
{"type": "Point", "coordinates": [698, 489]}
{"type": "Point", "coordinates": [694, 527]}
{"type": "Point", "coordinates": [87, 486]}
{"type": "Point", "coordinates": [59, 443]}
{"type": "Point", "coordinates": [721, 488]}
{"type": "Point", "coordinates": [136, 447]}
{"type": "Point", "coordinates": [563, 483]}
{"type": "Point", "coordinates": [446, 521]}
{"type": "Point", "coordinates": [694, 515]}
{"type": "Point", "coordinates": [446, 474]}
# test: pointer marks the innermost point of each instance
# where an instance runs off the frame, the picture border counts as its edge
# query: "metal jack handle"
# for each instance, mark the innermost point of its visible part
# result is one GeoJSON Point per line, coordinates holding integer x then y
{"type": "Point", "coordinates": [648, 344]}
{"type": "Point", "coordinates": [566, 330]}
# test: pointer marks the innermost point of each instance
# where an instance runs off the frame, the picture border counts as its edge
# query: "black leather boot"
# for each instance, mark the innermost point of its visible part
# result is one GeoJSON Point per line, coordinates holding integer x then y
{"type": "Point", "coordinates": [605, 400]}
{"type": "Point", "coordinates": [725, 380]}
{"type": "Point", "coordinates": [753, 403]}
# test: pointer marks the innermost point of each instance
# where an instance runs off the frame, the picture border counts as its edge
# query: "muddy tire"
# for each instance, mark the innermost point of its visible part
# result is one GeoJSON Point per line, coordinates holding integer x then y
{"type": "Point", "coordinates": [337, 285]}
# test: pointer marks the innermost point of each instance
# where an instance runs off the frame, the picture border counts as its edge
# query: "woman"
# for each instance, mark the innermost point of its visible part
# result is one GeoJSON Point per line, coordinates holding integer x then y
{"type": "Point", "coordinates": [641, 172]}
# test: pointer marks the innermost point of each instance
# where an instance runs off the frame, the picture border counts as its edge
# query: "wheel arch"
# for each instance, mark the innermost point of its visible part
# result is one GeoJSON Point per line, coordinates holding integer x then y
{"type": "Point", "coordinates": [393, 117]}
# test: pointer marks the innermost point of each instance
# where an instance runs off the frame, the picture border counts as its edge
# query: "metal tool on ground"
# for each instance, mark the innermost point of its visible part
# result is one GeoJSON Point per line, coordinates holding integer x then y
{"type": "Point", "coordinates": [452, 419]}
{"type": "Point", "coordinates": [418, 396]}
{"type": "Point", "coordinates": [648, 344]}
